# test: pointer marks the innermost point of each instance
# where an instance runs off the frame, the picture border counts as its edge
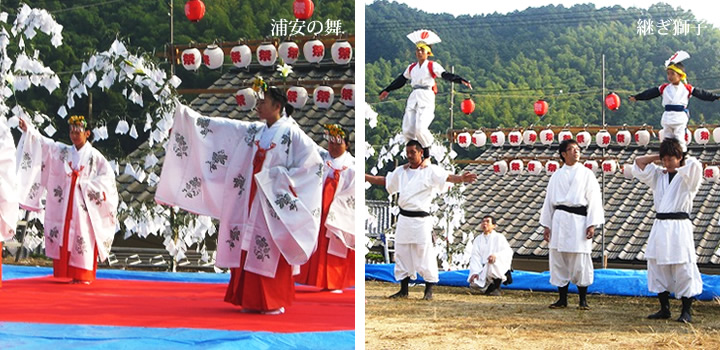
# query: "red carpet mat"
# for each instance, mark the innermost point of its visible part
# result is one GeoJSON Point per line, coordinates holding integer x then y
{"type": "Point", "coordinates": [166, 304]}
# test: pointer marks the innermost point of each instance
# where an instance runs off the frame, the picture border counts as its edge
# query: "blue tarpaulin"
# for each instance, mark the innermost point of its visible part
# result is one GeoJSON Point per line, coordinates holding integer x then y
{"type": "Point", "coordinates": [607, 281]}
{"type": "Point", "coordinates": [20, 335]}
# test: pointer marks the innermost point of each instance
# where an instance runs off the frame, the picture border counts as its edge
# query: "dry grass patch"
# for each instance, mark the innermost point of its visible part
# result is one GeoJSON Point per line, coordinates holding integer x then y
{"type": "Point", "coordinates": [457, 319]}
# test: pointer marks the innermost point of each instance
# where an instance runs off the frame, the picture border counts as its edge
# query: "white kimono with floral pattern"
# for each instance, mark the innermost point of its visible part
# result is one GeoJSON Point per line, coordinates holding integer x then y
{"type": "Point", "coordinates": [208, 169]}
{"type": "Point", "coordinates": [340, 221]}
{"type": "Point", "coordinates": [46, 164]}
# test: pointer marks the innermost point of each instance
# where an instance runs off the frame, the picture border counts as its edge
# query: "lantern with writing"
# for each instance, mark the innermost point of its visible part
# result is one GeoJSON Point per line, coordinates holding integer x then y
{"type": "Point", "coordinates": [500, 167]}
{"type": "Point", "coordinates": [347, 95]}
{"type": "Point", "coordinates": [266, 54]}
{"type": "Point", "coordinates": [623, 137]}
{"type": "Point", "coordinates": [297, 96]}
{"type": "Point", "coordinates": [191, 59]}
{"type": "Point", "coordinates": [289, 52]}
{"type": "Point", "coordinates": [314, 51]}
{"type": "Point", "coordinates": [540, 107]}
{"type": "Point", "coordinates": [564, 135]}
{"type": "Point", "coordinates": [711, 173]}
{"type": "Point", "coordinates": [702, 135]}
{"type": "Point", "coordinates": [515, 138]}
{"type": "Point", "coordinates": [592, 165]}
{"type": "Point", "coordinates": [583, 138]}
{"type": "Point", "coordinates": [603, 138]}
{"type": "Point", "coordinates": [642, 137]}
{"type": "Point", "coordinates": [341, 52]}
{"type": "Point", "coordinates": [463, 139]}
{"type": "Point", "coordinates": [497, 139]}
{"type": "Point", "coordinates": [323, 96]}
{"type": "Point", "coordinates": [716, 135]}
{"type": "Point", "coordinates": [213, 57]}
{"type": "Point", "coordinates": [240, 56]}
{"type": "Point", "coordinates": [479, 138]}
{"type": "Point", "coordinates": [547, 136]}
{"type": "Point", "coordinates": [194, 10]}
{"type": "Point", "coordinates": [303, 9]}
{"type": "Point", "coordinates": [688, 136]}
{"type": "Point", "coordinates": [245, 99]}
{"type": "Point", "coordinates": [609, 167]}
{"type": "Point", "coordinates": [551, 167]}
{"type": "Point", "coordinates": [467, 106]}
{"type": "Point", "coordinates": [530, 137]}
{"type": "Point", "coordinates": [612, 101]}
{"type": "Point", "coordinates": [534, 167]}
{"type": "Point", "coordinates": [627, 171]}
{"type": "Point", "coordinates": [516, 167]}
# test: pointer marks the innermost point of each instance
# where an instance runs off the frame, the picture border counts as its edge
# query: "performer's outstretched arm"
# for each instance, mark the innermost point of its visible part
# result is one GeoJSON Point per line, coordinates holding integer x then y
{"type": "Point", "coordinates": [399, 82]}
{"type": "Point", "coordinates": [466, 177]}
{"type": "Point", "coordinates": [705, 95]}
{"type": "Point", "coordinates": [375, 180]}
{"type": "Point", "coordinates": [455, 79]}
{"type": "Point", "coordinates": [648, 94]}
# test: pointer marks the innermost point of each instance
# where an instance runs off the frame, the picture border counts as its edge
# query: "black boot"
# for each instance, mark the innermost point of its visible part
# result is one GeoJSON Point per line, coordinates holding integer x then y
{"type": "Point", "coordinates": [495, 291]}
{"type": "Point", "coordinates": [428, 291]}
{"type": "Point", "coordinates": [508, 277]}
{"type": "Point", "coordinates": [403, 293]}
{"type": "Point", "coordinates": [664, 312]}
{"type": "Point", "coordinates": [686, 310]}
{"type": "Point", "coordinates": [562, 301]}
{"type": "Point", "coordinates": [583, 305]}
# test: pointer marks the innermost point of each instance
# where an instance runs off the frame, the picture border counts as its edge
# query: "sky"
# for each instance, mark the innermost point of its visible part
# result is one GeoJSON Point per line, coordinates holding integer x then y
{"type": "Point", "coordinates": [707, 10]}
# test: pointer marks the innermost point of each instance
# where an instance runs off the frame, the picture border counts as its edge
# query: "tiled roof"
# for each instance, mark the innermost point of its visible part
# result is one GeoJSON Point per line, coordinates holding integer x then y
{"type": "Point", "coordinates": [515, 202]}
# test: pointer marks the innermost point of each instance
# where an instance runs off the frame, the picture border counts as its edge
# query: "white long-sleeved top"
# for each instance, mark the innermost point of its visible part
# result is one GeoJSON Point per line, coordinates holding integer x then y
{"type": "Point", "coordinates": [572, 186]}
{"type": "Point", "coordinates": [671, 241]}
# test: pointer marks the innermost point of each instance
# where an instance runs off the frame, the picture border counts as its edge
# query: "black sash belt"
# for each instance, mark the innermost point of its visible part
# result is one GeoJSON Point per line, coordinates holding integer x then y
{"type": "Point", "coordinates": [582, 211]}
{"type": "Point", "coordinates": [413, 214]}
{"type": "Point", "coordinates": [675, 108]}
{"type": "Point", "coordinates": [672, 216]}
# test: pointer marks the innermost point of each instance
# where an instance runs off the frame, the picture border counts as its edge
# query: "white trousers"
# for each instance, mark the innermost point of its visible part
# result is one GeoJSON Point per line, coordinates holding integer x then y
{"type": "Point", "coordinates": [489, 273]}
{"type": "Point", "coordinates": [681, 279]}
{"type": "Point", "coordinates": [412, 259]}
{"type": "Point", "coordinates": [575, 268]}
{"type": "Point", "coordinates": [676, 131]}
{"type": "Point", "coordinates": [416, 124]}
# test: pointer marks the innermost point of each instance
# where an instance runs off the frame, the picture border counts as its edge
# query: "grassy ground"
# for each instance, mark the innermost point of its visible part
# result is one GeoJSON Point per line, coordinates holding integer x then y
{"type": "Point", "coordinates": [457, 319]}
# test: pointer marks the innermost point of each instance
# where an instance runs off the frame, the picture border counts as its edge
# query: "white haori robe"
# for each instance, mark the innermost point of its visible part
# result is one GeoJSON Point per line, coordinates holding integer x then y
{"type": "Point", "coordinates": [208, 170]}
{"type": "Point", "coordinates": [47, 164]}
{"type": "Point", "coordinates": [671, 241]}
{"type": "Point", "coordinates": [340, 221]}
{"type": "Point", "coordinates": [9, 209]}
{"type": "Point", "coordinates": [485, 245]}
{"type": "Point", "coordinates": [420, 107]}
{"type": "Point", "coordinates": [416, 188]}
{"type": "Point", "coordinates": [572, 186]}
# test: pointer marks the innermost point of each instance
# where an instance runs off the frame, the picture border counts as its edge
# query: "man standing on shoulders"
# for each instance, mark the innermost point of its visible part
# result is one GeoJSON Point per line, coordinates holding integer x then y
{"type": "Point", "coordinates": [572, 209]}
{"type": "Point", "coordinates": [417, 186]}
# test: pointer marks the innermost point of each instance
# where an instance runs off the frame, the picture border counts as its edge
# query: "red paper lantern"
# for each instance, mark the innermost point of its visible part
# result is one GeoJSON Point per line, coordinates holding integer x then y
{"type": "Point", "coordinates": [612, 101]}
{"type": "Point", "coordinates": [303, 9]}
{"type": "Point", "coordinates": [541, 108]}
{"type": "Point", "coordinates": [467, 106]}
{"type": "Point", "coordinates": [194, 10]}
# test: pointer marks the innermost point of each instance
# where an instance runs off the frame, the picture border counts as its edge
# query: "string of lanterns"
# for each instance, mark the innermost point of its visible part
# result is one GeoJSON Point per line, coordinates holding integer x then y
{"type": "Point", "coordinates": [323, 97]}
{"type": "Point", "coordinates": [195, 9]}
{"type": "Point", "coordinates": [603, 137]}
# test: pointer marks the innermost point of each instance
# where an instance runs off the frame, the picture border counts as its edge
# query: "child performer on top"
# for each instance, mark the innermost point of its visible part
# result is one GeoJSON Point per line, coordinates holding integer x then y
{"type": "Point", "coordinates": [420, 108]}
{"type": "Point", "coordinates": [675, 98]}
